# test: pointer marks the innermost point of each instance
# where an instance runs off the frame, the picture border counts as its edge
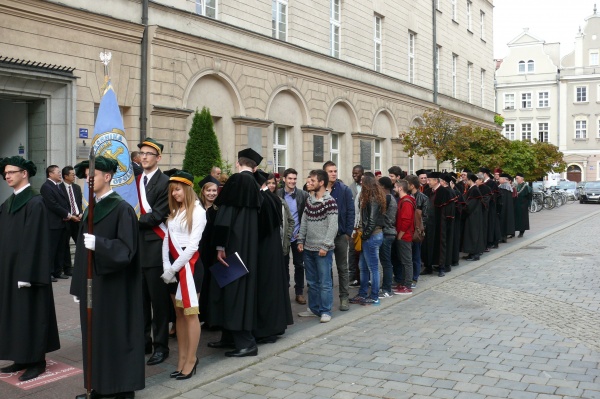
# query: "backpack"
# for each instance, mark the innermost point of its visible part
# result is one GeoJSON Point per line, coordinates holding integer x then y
{"type": "Point", "coordinates": [419, 232]}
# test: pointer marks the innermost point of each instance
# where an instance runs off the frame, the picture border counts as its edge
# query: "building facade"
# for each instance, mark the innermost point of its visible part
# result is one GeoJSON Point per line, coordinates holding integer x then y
{"type": "Point", "coordinates": [544, 97]}
{"type": "Point", "coordinates": [300, 81]}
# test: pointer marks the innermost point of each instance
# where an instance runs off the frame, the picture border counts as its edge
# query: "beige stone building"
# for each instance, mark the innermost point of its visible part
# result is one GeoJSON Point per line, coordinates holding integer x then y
{"type": "Point", "coordinates": [301, 81]}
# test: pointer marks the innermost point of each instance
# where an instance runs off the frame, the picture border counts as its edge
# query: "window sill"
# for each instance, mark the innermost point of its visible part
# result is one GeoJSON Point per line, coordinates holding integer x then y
{"type": "Point", "coordinates": [548, 107]}
{"type": "Point", "coordinates": [483, 40]}
{"type": "Point", "coordinates": [455, 21]}
{"type": "Point", "coordinates": [470, 31]}
{"type": "Point", "coordinates": [438, 10]}
{"type": "Point", "coordinates": [509, 109]}
{"type": "Point", "coordinates": [584, 139]}
{"type": "Point", "coordinates": [526, 109]}
{"type": "Point", "coordinates": [581, 102]}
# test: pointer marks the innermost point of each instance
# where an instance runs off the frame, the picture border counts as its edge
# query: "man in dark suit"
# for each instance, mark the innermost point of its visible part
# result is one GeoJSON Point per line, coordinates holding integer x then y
{"type": "Point", "coordinates": [73, 194]}
{"type": "Point", "coordinates": [153, 187]}
{"type": "Point", "coordinates": [58, 214]}
{"type": "Point", "coordinates": [136, 160]}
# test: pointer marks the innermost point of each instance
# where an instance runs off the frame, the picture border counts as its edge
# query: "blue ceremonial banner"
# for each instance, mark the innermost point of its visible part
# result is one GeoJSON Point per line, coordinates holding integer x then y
{"type": "Point", "coordinates": [109, 141]}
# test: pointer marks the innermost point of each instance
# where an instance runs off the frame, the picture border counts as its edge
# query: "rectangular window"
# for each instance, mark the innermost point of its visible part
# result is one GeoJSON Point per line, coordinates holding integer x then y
{"type": "Point", "coordinates": [543, 132]}
{"type": "Point", "coordinates": [509, 101]}
{"type": "Point", "coordinates": [581, 94]}
{"type": "Point", "coordinates": [598, 132]}
{"type": "Point", "coordinates": [335, 23]}
{"type": "Point", "coordinates": [526, 131]}
{"type": "Point", "coordinates": [525, 100]}
{"type": "Point", "coordinates": [509, 131]}
{"type": "Point", "coordinates": [411, 165]}
{"type": "Point", "coordinates": [482, 87]}
{"type": "Point", "coordinates": [469, 24]}
{"type": "Point", "coordinates": [454, 11]}
{"type": "Point", "coordinates": [377, 43]}
{"type": "Point", "coordinates": [438, 52]}
{"type": "Point", "coordinates": [280, 149]}
{"type": "Point", "coordinates": [279, 19]}
{"type": "Point", "coordinates": [377, 155]}
{"type": "Point", "coordinates": [594, 58]}
{"type": "Point", "coordinates": [208, 8]}
{"type": "Point", "coordinates": [411, 56]}
{"type": "Point", "coordinates": [482, 25]}
{"type": "Point", "coordinates": [454, 62]}
{"type": "Point", "coordinates": [334, 148]}
{"type": "Point", "coordinates": [580, 129]}
{"type": "Point", "coordinates": [543, 100]}
{"type": "Point", "coordinates": [469, 81]}
{"type": "Point", "coordinates": [438, 5]}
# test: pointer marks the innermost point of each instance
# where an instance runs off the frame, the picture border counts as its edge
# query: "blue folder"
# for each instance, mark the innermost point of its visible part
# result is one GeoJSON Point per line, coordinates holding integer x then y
{"type": "Point", "coordinates": [226, 275]}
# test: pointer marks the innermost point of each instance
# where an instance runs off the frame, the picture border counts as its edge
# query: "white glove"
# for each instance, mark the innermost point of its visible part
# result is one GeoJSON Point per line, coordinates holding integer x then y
{"type": "Point", "coordinates": [169, 276]}
{"type": "Point", "coordinates": [89, 241]}
{"type": "Point", "coordinates": [166, 266]}
{"type": "Point", "coordinates": [22, 284]}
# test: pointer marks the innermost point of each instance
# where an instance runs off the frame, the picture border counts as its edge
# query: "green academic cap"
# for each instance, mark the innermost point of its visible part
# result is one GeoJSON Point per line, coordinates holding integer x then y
{"type": "Point", "coordinates": [182, 176]}
{"type": "Point", "coordinates": [18, 162]}
{"type": "Point", "coordinates": [104, 164]}
{"type": "Point", "coordinates": [152, 143]}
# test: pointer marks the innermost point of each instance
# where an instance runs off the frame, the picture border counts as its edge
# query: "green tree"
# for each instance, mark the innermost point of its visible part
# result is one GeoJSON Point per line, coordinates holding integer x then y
{"type": "Point", "coordinates": [433, 137]}
{"type": "Point", "coordinates": [202, 149]}
{"type": "Point", "coordinates": [547, 159]}
{"type": "Point", "coordinates": [499, 120]}
{"type": "Point", "coordinates": [476, 147]}
{"type": "Point", "coordinates": [534, 160]}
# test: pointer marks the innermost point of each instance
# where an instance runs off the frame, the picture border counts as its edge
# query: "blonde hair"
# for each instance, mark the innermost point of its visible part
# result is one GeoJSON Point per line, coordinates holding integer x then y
{"type": "Point", "coordinates": [203, 195]}
{"type": "Point", "coordinates": [189, 201]}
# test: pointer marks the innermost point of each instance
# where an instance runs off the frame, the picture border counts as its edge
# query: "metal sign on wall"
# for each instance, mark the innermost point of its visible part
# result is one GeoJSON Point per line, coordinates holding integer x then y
{"type": "Point", "coordinates": [318, 148]}
{"type": "Point", "coordinates": [365, 154]}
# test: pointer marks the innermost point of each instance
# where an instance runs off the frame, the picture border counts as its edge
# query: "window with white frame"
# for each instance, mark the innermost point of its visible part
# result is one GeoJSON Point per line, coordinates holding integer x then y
{"type": "Point", "coordinates": [469, 7]}
{"type": "Point", "coordinates": [521, 66]}
{"type": "Point", "coordinates": [280, 149]}
{"type": "Point", "coordinates": [412, 37]}
{"type": "Point", "coordinates": [543, 99]}
{"type": "Point", "coordinates": [526, 131]}
{"type": "Point", "coordinates": [411, 165]}
{"type": "Point", "coordinates": [598, 129]}
{"type": "Point", "coordinates": [334, 148]}
{"type": "Point", "coordinates": [208, 8]}
{"type": "Point", "coordinates": [454, 67]}
{"type": "Point", "coordinates": [482, 15]}
{"type": "Point", "coordinates": [594, 58]}
{"type": "Point", "coordinates": [279, 19]}
{"type": "Point", "coordinates": [377, 155]}
{"type": "Point", "coordinates": [482, 87]}
{"type": "Point", "coordinates": [525, 100]}
{"type": "Point", "coordinates": [509, 101]}
{"type": "Point", "coordinates": [530, 66]}
{"type": "Point", "coordinates": [581, 129]}
{"type": "Point", "coordinates": [438, 53]}
{"type": "Point", "coordinates": [454, 11]}
{"type": "Point", "coordinates": [581, 94]}
{"type": "Point", "coordinates": [335, 25]}
{"type": "Point", "coordinates": [438, 4]}
{"type": "Point", "coordinates": [469, 81]}
{"type": "Point", "coordinates": [543, 132]}
{"type": "Point", "coordinates": [377, 42]}
{"type": "Point", "coordinates": [509, 131]}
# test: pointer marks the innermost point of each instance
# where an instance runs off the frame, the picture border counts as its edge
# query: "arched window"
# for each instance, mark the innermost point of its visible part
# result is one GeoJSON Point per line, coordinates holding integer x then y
{"type": "Point", "coordinates": [530, 66]}
{"type": "Point", "coordinates": [521, 66]}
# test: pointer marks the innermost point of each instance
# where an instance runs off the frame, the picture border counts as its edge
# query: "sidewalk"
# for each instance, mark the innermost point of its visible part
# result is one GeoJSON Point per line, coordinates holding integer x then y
{"type": "Point", "coordinates": [214, 365]}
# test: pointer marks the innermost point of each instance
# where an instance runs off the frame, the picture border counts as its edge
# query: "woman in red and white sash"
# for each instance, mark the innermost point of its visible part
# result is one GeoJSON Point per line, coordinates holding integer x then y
{"type": "Point", "coordinates": [183, 270]}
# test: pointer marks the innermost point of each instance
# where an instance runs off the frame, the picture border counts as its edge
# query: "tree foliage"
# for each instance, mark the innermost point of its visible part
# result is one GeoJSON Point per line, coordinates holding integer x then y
{"type": "Point", "coordinates": [475, 147]}
{"type": "Point", "coordinates": [499, 120]}
{"type": "Point", "coordinates": [202, 149]}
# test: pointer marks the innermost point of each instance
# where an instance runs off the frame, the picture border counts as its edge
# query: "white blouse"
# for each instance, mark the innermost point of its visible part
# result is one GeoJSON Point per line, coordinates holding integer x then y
{"type": "Point", "coordinates": [177, 227]}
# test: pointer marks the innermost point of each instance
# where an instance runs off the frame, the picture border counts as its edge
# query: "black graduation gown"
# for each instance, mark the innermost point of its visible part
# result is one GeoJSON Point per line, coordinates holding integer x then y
{"type": "Point", "coordinates": [273, 308]}
{"type": "Point", "coordinates": [233, 307]}
{"type": "Point", "coordinates": [493, 226]}
{"type": "Point", "coordinates": [208, 255]}
{"type": "Point", "coordinates": [457, 227]}
{"type": "Point", "coordinates": [473, 239]}
{"type": "Point", "coordinates": [427, 244]}
{"type": "Point", "coordinates": [28, 328]}
{"type": "Point", "coordinates": [506, 213]}
{"type": "Point", "coordinates": [118, 310]}
{"type": "Point", "coordinates": [441, 235]}
{"type": "Point", "coordinates": [522, 207]}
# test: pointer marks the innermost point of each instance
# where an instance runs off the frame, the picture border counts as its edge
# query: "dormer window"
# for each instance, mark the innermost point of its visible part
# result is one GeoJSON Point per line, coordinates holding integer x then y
{"type": "Point", "coordinates": [530, 66]}
{"type": "Point", "coordinates": [526, 67]}
{"type": "Point", "coordinates": [521, 66]}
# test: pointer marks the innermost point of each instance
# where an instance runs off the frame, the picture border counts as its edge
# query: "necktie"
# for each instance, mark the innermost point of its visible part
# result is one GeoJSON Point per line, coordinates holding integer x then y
{"type": "Point", "coordinates": [72, 200]}
{"type": "Point", "coordinates": [145, 181]}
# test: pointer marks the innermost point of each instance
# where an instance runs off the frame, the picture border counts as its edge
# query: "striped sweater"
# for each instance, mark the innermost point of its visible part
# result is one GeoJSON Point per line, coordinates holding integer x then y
{"type": "Point", "coordinates": [319, 225]}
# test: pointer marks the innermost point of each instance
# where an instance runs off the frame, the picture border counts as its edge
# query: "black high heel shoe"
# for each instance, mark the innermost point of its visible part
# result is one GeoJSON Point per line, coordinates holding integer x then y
{"type": "Point", "coordinates": [175, 374]}
{"type": "Point", "coordinates": [187, 376]}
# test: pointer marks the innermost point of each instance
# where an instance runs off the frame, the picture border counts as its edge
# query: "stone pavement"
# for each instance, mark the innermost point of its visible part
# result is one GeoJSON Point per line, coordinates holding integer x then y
{"type": "Point", "coordinates": [519, 324]}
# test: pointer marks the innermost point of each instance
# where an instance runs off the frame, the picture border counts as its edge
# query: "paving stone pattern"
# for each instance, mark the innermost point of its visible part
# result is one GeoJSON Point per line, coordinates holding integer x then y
{"type": "Point", "coordinates": [526, 326]}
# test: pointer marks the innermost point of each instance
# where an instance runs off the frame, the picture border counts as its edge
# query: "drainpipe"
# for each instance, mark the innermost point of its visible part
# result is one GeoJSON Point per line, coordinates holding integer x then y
{"type": "Point", "coordinates": [558, 110]}
{"type": "Point", "coordinates": [144, 74]}
{"type": "Point", "coordinates": [435, 60]}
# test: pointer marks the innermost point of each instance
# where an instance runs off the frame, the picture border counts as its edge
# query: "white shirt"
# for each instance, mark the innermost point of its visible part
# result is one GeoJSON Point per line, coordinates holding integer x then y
{"type": "Point", "coordinates": [98, 199]}
{"type": "Point", "coordinates": [69, 187]}
{"type": "Point", "coordinates": [148, 175]}
{"type": "Point", "coordinates": [177, 228]}
{"type": "Point", "coordinates": [19, 191]}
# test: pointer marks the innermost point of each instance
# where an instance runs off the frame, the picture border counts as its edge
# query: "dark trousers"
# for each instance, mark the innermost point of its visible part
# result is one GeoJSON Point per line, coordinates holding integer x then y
{"type": "Point", "coordinates": [157, 305]}
{"type": "Point", "coordinates": [397, 263]}
{"type": "Point", "coordinates": [72, 232]}
{"type": "Point", "coordinates": [57, 250]}
{"type": "Point", "coordinates": [242, 338]}
{"type": "Point", "coordinates": [298, 261]}
{"type": "Point", "coordinates": [353, 259]}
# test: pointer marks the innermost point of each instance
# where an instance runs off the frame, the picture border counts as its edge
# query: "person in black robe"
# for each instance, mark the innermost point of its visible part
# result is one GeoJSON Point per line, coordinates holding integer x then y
{"type": "Point", "coordinates": [118, 310]}
{"type": "Point", "coordinates": [486, 194]}
{"type": "Point", "coordinates": [28, 328]}
{"type": "Point", "coordinates": [438, 232]}
{"type": "Point", "coordinates": [273, 308]}
{"type": "Point", "coordinates": [522, 201]}
{"type": "Point", "coordinates": [473, 237]}
{"type": "Point", "coordinates": [452, 249]}
{"type": "Point", "coordinates": [233, 307]}
{"type": "Point", "coordinates": [208, 253]}
{"type": "Point", "coordinates": [506, 211]}
{"type": "Point", "coordinates": [458, 220]}
{"type": "Point", "coordinates": [493, 226]}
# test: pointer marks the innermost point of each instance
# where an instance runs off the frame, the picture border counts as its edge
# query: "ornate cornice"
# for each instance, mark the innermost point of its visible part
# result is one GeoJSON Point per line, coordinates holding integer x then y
{"type": "Point", "coordinates": [254, 122]}
{"type": "Point", "coordinates": [316, 129]}
{"type": "Point", "coordinates": [361, 135]}
{"type": "Point", "coordinates": [180, 113]}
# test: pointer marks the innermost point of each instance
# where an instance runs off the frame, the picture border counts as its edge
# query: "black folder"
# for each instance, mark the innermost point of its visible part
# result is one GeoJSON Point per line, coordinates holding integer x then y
{"type": "Point", "coordinates": [226, 275]}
